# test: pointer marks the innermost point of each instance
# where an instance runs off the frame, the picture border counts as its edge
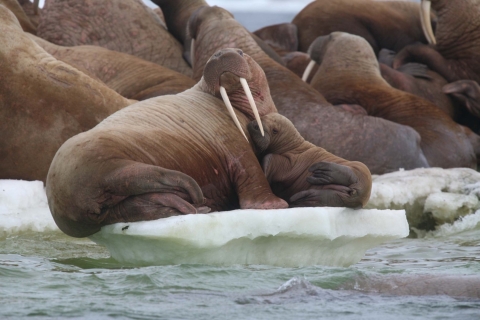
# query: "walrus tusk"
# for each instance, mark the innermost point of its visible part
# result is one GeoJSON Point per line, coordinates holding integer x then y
{"type": "Point", "coordinates": [425, 8]}
{"type": "Point", "coordinates": [246, 88]}
{"type": "Point", "coordinates": [307, 71]}
{"type": "Point", "coordinates": [226, 100]}
{"type": "Point", "coordinates": [35, 6]}
{"type": "Point", "coordinates": [192, 51]}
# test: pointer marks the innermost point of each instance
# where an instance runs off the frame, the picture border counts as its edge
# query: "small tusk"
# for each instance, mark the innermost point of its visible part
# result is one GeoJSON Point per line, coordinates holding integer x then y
{"type": "Point", "coordinates": [425, 8]}
{"type": "Point", "coordinates": [246, 88]}
{"type": "Point", "coordinates": [35, 6]}
{"type": "Point", "coordinates": [223, 92]}
{"type": "Point", "coordinates": [308, 70]}
{"type": "Point", "coordinates": [192, 51]}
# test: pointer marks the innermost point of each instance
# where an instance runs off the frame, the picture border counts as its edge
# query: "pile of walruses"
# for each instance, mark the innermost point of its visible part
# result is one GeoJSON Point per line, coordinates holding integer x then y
{"type": "Point", "coordinates": [128, 113]}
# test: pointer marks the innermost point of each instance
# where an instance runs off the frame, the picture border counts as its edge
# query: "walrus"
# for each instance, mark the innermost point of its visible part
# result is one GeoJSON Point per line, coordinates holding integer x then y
{"type": "Point", "coordinates": [304, 174]}
{"type": "Point", "coordinates": [168, 155]}
{"type": "Point", "coordinates": [43, 102]}
{"type": "Point", "coordinates": [349, 74]}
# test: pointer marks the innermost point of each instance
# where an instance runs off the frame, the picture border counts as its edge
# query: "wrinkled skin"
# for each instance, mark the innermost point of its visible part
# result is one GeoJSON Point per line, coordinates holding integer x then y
{"type": "Point", "coordinates": [384, 24]}
{"type": "Point", "coordinates": [349, 73]}
{"type": "Point", "coordinates": [131, 77]}
{"type": "Point", "coordinates": [456, 54]}
{"type": "Point", "coordinates": [304, 174]}
{"type": "Point", "coordinates": [17, 10]}
{"type": "Point", "coordinates": [165, 156]}
{"type": "Point", "coordinates": [126, 26]}
{"type": "Point", "coordinates": [345, 134]}
{"type": "Point", "coordinates": [45, 101]}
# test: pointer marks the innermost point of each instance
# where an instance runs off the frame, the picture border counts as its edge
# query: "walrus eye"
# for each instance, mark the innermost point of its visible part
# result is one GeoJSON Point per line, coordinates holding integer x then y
{"type": "Point", "coordinates": [274, 131]}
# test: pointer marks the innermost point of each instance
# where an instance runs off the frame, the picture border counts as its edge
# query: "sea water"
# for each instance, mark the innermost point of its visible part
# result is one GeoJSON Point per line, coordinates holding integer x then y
{"type": "Point", "coordinates": [48, 274]}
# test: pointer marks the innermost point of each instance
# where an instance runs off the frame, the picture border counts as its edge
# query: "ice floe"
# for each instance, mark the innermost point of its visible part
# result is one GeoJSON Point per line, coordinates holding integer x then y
{"type": "Point", "coordinates": [24, 208]}
{"type": "Point", "coordinates": [431, 197]}
{"type": "Point", "coordinates": [285, 237]}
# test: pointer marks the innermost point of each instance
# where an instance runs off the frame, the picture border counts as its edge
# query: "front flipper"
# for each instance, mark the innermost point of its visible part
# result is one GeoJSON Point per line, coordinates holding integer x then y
{"type": "Point", "coordinates": [327, 197]}
{"type": "Point", "coordinates": [137, 191]}
{"type": "Point", "coordinates": [335, 185]}
{"type": "Point", "coordinates": [426, 55]}
{"type": "Point", "coordinates": [151, 206]}
{"type": "Point", "coordinates": [467, 92]}
{"type": "Point", "coordinates": [326, 173]}
{"type": "Point", "coordinates": [135, 178]}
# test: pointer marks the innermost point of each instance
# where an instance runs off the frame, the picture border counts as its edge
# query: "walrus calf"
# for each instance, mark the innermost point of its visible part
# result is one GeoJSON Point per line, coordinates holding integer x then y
{"type": "Point", "coordinates": [169, 155]}
{"type": "Point", "coordinates": [304, 174]}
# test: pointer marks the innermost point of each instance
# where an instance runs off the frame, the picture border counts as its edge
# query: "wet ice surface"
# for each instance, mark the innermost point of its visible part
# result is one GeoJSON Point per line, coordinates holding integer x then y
{"type": "Point", "coordinates": [284, 237]}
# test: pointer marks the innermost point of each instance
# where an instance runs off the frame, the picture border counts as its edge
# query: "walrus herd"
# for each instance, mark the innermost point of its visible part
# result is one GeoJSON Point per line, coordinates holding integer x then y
{"type": "Point", "coordinates": [128, 113]}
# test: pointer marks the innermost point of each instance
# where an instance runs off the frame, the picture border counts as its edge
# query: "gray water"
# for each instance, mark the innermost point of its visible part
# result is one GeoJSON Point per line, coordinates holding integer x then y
{"type": "Point", "coordinates": [50, 275]}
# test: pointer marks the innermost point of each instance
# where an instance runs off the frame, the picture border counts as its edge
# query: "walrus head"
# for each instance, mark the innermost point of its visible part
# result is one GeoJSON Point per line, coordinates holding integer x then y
{"type": "Point", "coordinates": [233, 75]}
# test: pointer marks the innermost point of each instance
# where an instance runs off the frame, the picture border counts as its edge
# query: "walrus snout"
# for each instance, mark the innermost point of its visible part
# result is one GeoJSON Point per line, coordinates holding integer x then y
{"type": "Point", "coordinates": [260, 142]}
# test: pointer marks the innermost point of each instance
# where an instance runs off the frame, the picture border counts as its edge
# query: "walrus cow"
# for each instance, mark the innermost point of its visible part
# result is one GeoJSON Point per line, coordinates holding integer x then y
{"type": "Point", "coordinates": [162, 156]}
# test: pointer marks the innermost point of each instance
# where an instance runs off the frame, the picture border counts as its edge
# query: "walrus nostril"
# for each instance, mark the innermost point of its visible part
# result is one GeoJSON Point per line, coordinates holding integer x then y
{"type": "Point", "coordinates": [218, 54]}
{"type": "Point", "coordinates": [256, 127]}
{"type": "Point", "coordinates": [240, 52]}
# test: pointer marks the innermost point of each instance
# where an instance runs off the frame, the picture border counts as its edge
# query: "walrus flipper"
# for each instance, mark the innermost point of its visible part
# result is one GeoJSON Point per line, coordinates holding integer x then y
{"type": "Point", "coordinates": [150, 192]}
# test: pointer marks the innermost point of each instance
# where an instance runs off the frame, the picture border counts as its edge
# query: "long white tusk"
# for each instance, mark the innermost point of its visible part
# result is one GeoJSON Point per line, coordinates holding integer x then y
{"type": "Point", "coordinates": [307, 71]}
{"type": "Point", "coordinates": [35, 6]}
{"type": "Point", "coordinates": [426, 21]}
{"type": "Point", "coordinates": [226, 100]}
{"type": "Point", "coordinates": [192, 51]}
{"type": "Point", "coordinates": [246, 88]}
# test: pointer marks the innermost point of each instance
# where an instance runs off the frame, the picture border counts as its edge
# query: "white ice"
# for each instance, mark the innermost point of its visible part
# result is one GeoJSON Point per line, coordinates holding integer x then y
{"type": "Point", "coordinates": [285, 237]}
{"type": "Point", "coordinates": [444, 195]}
{"type": "Point", "coordinates": [24, 208]}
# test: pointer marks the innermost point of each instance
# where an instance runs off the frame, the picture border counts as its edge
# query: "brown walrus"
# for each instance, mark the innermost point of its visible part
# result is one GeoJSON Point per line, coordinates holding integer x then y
{"type": "Point", "coordinates": [44, 102]}
{"type": "Point", "coordinates": [131, 77]}
{"type": "Point", "coordinates": [289, 160]}
{"type": "Point", "coordinates": [349, 73]}
{"type": "Point", "coordinates": [166, 156]}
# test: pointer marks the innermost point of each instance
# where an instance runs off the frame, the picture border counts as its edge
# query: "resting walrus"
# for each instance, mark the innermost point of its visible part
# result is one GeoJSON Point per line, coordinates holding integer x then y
{"type": "Point", "coordinates": [166, 156]}
{"type": "Point", "coordinates": [288, 159]}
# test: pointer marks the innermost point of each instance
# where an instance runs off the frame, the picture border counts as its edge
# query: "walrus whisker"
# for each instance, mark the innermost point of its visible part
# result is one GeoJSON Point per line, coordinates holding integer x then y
{"type": "Point", "coordinates": [226, 100]}
{"type": "Point", "coordinates": [425, 8]}
{"type": "Point", "coordinates": [192, 52]}
{"type": "Point", "coordinates": [307, 71]}
{"type": "Point", "coordinates": [35, 6]}
{"type": "Point", "coordinates": [246, 88]}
